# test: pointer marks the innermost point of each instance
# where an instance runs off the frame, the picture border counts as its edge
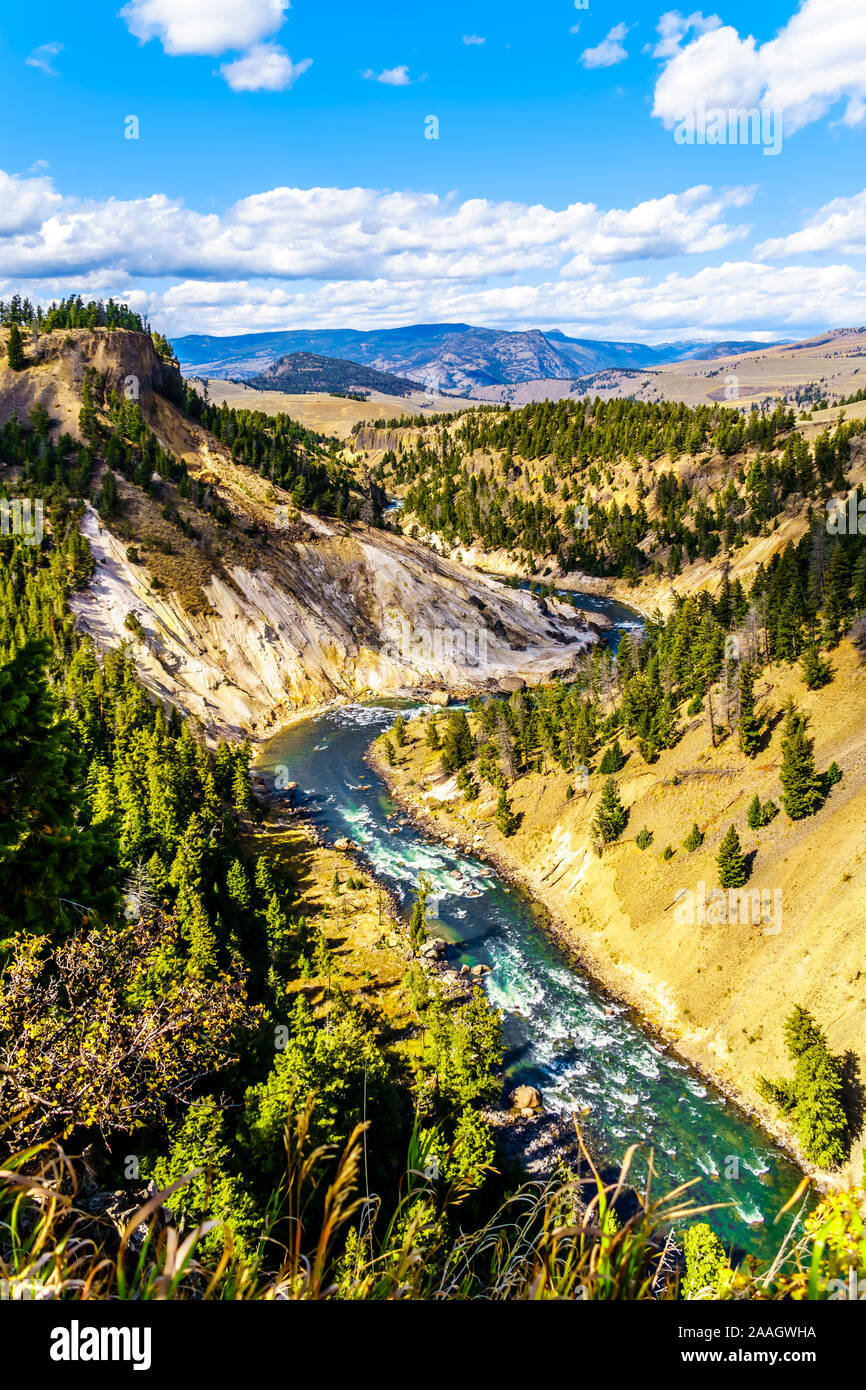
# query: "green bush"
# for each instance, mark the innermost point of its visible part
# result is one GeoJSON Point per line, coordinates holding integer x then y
{"type": "Point", "coordinates": [694, 839]}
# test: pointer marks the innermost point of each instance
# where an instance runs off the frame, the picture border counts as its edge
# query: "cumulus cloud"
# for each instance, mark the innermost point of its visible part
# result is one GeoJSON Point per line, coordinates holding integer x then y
{"type": "Point", "coordinates": [735, 297]}
{"type": "Point", "coordinates": [673, 27]}
{"type": "Point", "coordinates": [392, 77]}
{"type": "Point", "coordinates": [267, 67]}
{"type": "Point", "coordinates": [838, 226]}
{"type": "Point", "coordinates": [41, 57]}
{"type": "Point", "coordinates": [470, 39]}
{"type": "Point", "coordinates": [815, 61]}
{"type": "Point", "coordinates": [361, 257]}
{"type": "Point", "coordinates": [204, 26]}
{"type": "Point", "coordinates": [610, 51]}
{"type": "Point", "coordinates": [357, 233]}
{"type": "Point", "coordinates": [25, 204]}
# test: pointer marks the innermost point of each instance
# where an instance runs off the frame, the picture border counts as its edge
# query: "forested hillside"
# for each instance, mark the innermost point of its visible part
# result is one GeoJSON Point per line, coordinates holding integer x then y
{"type": "Point", "coordinates": [617, 488]}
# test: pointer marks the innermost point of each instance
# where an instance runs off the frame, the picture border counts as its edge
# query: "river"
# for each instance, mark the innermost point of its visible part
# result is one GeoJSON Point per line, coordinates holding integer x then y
{"type": "Point", "coordinates": [562, 1033]}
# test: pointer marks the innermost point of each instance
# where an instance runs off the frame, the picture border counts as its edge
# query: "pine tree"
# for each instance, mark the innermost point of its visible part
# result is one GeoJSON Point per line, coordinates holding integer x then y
{"type": "Point", "coordinates": [732, 864]}
{"type": "Point", "coordinates": [241, 790]}
{"type": "Point", "coordinates": [200, 935]}
{"type": "Point", "coordinates": [750, 725]}
{"type": "Point", "coordinates": [815, 1096]}
{"type": "Point", "coordinates": [816, 672]}
{"type": "Point", "coordinates": [801, 1031]}
{"type": "Point", "coordinates": [801, 785]}
{"type": "Point", "coordinates": [458, 745]}
{"type": "Point", "coordinates": [238, 885]}
{"type": "Point", "coordinates": [506, 820]}
{"type": "Point", "coordinates": [418, 916]}
{"type": "Point", "coordinates": [265, 882]}
{"type": "Point", "coordinates": [15, 348]}
{"type": "Point", "coordinates": [610, 818]}
{"type": "Point", "coordinates": [400, 731]}
{"type": "Point", "coordinates": [87, 421]}
{"type": "Point", "coordinates": [820, 1118]}
{"type": "Point", "coordinates": [613, 759]}
{"type": "Point", "coordinates": [754, 815]}
{"type": "Point", "coordinates": [277, 931]}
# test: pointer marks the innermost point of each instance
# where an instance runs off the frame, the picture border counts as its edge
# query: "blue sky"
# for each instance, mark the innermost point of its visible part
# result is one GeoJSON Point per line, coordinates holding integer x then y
{"type": "Point", "coordinates": [556, 193]}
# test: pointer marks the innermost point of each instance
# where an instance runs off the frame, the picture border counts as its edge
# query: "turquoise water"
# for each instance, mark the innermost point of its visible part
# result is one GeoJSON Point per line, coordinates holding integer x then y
{"type": "Point", "coordinates": [562, 1033]}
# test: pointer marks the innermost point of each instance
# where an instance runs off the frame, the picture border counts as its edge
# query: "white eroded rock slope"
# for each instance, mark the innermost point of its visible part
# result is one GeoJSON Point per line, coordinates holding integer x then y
{"type": "Point", "coordinates": [345, 612]}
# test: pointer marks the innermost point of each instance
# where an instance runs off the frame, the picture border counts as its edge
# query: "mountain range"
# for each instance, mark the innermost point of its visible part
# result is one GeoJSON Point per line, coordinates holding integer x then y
{"type": "Point", "coordinates": [444, 357]}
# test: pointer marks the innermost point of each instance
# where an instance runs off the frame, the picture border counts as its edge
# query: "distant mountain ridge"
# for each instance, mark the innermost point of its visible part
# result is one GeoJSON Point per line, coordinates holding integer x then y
{"type": "Point", "coordinates": [450, 357]}
{"type": "Point", "coordinates": [299, 372]}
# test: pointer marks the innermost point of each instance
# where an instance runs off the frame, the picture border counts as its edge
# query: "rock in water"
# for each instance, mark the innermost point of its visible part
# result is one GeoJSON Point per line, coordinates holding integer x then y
{"type": "Point", "coordinates": [526, 1098]}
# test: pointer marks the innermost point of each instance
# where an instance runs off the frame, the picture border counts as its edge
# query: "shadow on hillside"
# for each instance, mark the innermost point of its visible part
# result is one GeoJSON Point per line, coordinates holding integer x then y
{"type": "Point", "coordinates": [853, 1095]}
{"type": "Point", "coordinates": [773, 721]}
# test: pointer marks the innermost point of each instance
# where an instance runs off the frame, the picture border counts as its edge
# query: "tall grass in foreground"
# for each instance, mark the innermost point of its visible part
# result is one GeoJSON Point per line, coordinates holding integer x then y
{"type": "Point", "coordinates": [546, 1241]}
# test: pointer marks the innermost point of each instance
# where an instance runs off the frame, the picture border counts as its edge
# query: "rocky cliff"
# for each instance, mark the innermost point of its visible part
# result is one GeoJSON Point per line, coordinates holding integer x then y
{"type": "Point", "coordinates": [344, 612]}
{"type": "Point", "coordinates": [241, 619]}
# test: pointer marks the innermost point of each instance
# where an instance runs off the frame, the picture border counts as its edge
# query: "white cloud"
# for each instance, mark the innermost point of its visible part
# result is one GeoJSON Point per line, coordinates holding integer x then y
{"type": "Point", "coordinates": [25, 204]}
{"type": "Point", "coordinates": [266, 68]}
{"type": "Point", "coordinates": [360, 257]}
{"type": "Point", "coordinates": [355, 233]}
{"type": "Point", "coordinates": [839, 226]}
{"type": "Point", "coordinates": [392, 77]}
{"type": "Point", "coordinates": [204, 26]}
{"type": "Point", "coordinates": [609, 52]}
{"type": "Point", "coordinates": [41, 57]}
{"type": "Point", "coordinates": [734, 298]}
{"type": "Point", "coordinates": [673, 27]}
{"type": "Point", "coordinates": [816, 60]}
{"type": "Point", "coordinates": [470, 39]}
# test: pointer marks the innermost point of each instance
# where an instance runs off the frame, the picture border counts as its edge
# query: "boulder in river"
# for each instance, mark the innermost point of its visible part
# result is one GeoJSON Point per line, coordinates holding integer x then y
{"type": "Point", "coordinates": [343, 844]}
{"type": "Point", "coordinates": [510, 684]}
{"type": "Point", "coordinates": [438, 697]}
{"type": "Point", "coordinates": [526, 1098]}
